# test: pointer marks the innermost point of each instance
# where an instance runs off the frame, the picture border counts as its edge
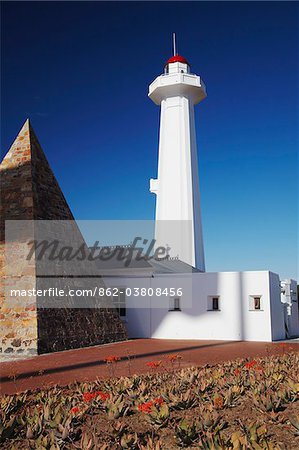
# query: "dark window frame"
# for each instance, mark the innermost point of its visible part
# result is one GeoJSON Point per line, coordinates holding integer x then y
{"type": "Point", "coordinates": [213, 303]}
{"type": "Point", "coordinates": [257, 303]}
{"type": "Point", "coordinates": [176, 306]}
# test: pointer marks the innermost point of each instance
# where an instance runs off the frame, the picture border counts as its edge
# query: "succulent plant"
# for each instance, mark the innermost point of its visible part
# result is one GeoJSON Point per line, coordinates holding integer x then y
{"type": "Point", "coordinates": [117, 406]}
{"type": "Point", "coordinates": [159, 415]}
{"type": "Point", "coordinates": [66, 417]}
{"type": "Point", "coordinates": [186, 433]}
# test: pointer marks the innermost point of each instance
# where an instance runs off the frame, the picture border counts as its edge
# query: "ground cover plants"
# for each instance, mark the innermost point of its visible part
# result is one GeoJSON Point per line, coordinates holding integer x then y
{"type": "Point", "coordinates": [242, 404]}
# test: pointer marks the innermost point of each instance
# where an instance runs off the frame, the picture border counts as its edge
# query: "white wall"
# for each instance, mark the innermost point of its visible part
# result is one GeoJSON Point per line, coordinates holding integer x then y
{"type": "Point", "coordinates": [234, 320]}
{"type": "Point", "coordinates": [277, 309]}
{"type": "Point", "coordinates": [150, 316]}
{"type": "Point", "coordinates": [294, 318]}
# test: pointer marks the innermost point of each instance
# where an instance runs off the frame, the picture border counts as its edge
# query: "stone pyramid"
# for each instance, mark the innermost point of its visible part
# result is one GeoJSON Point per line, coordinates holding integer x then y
{"type": "Point", "coordinates": [31, 197]}
{"type": "Point", "coordinates": [30, 189]}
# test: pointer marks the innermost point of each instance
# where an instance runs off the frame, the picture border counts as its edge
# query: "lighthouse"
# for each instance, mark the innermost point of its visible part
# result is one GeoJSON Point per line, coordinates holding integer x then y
{"type": "Point", "coordinates": [178, 218]}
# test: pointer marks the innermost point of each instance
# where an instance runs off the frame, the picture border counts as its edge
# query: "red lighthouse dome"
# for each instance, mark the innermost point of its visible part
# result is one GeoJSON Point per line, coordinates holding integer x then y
{"type": "Point", "coordinates": [177, 58]}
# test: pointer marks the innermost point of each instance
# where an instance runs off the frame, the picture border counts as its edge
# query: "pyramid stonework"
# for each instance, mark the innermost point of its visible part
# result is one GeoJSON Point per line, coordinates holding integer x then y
{"type": "Point", "coordinates": [30, 191]}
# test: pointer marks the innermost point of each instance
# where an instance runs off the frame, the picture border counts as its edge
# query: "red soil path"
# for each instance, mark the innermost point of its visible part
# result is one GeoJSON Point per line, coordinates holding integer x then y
{"type": "Point", "coordinates": [87, 364]}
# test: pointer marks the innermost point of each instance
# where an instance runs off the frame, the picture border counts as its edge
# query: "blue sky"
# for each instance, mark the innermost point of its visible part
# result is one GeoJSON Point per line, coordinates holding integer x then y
{"type": "Point", "coordinates": [80, 71]}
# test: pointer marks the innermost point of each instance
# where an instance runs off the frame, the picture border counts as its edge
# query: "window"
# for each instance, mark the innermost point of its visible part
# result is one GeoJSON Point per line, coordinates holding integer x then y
{"type": "Point", "coordinates": [119, 300]}
{"type": "Point", "coordinates": [213, 303]}
{"type": "Point", "coordinates": [175, 304]}
{"type": "Point", "coordinates": [255, 303]}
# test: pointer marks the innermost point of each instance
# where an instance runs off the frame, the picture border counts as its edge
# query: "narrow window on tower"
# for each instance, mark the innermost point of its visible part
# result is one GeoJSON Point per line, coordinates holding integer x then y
{"type": "Point", "coordinates": [213, 303]}
{"type": "Point", "coordinates": [175, 304]}
{"type": "Point", "coordinates": [255, 303]}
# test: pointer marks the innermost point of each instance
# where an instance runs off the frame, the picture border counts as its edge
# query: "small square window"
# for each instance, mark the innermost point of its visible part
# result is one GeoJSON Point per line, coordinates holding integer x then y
{"type": "Point", "coordinates": [213, 303]}
{"type": "Point", "coordinates": [175, 304]}
{"type": "Point", "coordinates": [255, 303]}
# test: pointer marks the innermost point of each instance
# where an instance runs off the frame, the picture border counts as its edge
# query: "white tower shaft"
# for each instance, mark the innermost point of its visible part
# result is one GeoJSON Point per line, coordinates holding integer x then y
{"type": "Point", "coordinates": [178, 217]}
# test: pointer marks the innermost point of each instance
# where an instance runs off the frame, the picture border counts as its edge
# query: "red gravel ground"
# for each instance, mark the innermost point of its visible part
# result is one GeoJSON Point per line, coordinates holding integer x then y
{"type": "Point", "coordinates": [87, 364]}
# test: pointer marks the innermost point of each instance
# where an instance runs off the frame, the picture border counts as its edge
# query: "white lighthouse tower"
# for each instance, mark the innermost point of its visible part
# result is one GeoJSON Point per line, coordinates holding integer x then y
{"type": "Point", "coordinates": [178, 218]}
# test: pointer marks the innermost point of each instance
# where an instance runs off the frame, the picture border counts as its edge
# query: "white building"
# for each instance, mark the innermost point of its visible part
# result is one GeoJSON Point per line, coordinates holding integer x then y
{"type": "Point", "coordinates": [211, 305]}
{"type": "Point", "coordinates": [253, 305]}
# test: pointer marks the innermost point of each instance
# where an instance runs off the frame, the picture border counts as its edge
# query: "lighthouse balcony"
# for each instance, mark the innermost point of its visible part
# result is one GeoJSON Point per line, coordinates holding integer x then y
{"type": "Point", "coordinates": [177, 84]}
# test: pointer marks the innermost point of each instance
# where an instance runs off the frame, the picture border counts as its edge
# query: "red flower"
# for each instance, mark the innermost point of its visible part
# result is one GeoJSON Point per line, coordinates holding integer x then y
{"type": "Point", "coordinates": [75, 410]}
{"type": "Point", "coordinates": [88, 396]}
{"type": "Point", "coordinates": [282, 345]}
{"type": "Point", "coordinates": [159, 401]}
{"type": "Point", "coordinates": [237, 372]}
{"type": "Point", "coordinates": [218, 402]}
{"type": "Point", "coordinates": [250, 364]}
{"type": "Point", "coordinates": [146, 407]}
{"type": "Point", "coordinates": [112, 359]}
{"type": "Point", "coordinates": [103, 395]}
{"type": "Point", "coordinates": [154, 364]}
